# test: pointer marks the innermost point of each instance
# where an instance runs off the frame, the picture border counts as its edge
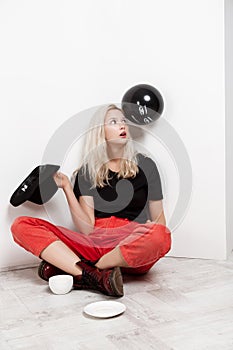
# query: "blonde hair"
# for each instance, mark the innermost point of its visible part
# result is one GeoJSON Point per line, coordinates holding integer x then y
{"type": "Point", "coordinates": [94, 153]}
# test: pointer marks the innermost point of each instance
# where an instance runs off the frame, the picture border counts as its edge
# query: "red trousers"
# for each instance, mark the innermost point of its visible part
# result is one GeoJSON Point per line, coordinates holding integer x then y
{"type": "Point", "coordinates": [140, 251]}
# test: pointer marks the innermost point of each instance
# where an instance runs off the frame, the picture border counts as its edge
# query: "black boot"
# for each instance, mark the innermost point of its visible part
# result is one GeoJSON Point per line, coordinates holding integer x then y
{"type": "Point", "coordinates": [107, 281]}
{"type": "Point", "coordinates": [47, 270]}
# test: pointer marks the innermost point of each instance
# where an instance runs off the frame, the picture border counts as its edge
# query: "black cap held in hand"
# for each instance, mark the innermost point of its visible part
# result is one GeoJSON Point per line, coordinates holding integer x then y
{"type": "Point", "coordinates": [38, 187]}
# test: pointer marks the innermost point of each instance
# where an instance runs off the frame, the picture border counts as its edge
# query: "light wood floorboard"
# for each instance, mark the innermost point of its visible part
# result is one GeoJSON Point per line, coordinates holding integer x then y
{"type": "Point", "coordinates": [181, 304]}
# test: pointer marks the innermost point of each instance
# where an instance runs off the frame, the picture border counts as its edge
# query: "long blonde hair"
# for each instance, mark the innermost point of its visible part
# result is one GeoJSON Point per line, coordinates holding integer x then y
{"type": "Point", "coordinates": [94, 153]}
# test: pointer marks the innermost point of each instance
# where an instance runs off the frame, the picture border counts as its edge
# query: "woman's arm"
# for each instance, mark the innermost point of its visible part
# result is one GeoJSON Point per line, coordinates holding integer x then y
{"type": "Point", "coordinates": [82, 212]}
{"type": "Point", "coordinates": [157, 212]}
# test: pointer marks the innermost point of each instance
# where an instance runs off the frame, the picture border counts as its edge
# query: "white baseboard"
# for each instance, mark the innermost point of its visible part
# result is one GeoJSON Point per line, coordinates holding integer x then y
{"type": "Point", "coordinates": [18, 267]}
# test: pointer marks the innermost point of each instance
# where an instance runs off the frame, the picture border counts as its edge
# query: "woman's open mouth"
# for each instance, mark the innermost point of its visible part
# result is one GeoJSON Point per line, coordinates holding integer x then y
{"type": "Point", "coordinates": [123, 134]}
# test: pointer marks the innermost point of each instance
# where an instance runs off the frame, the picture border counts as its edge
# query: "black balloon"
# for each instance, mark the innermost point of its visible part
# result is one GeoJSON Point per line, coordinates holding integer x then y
{"type": "Point", "coordinates": [142, 104]}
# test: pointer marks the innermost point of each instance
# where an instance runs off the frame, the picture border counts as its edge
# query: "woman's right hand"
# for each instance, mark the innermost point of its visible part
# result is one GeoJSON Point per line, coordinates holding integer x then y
{"type": "Point", "coordinates": [62, 181]}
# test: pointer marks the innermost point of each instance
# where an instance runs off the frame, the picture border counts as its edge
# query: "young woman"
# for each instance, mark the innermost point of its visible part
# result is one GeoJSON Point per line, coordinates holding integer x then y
{"type": "Point", "coordinates": [116, 206]}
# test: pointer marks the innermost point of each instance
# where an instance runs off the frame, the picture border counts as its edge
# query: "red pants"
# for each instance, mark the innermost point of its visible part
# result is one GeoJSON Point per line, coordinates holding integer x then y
{"type": "Point", "coordinates": [140, 251]}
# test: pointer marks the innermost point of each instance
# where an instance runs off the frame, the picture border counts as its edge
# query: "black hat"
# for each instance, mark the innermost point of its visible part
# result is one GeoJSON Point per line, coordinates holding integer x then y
{"type": "Point", "coordinates": [38, 187]}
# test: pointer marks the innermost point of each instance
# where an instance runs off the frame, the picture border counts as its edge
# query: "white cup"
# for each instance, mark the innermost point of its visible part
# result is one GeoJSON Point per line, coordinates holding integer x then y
{"type": "Point", "coordinates": [61, 284]}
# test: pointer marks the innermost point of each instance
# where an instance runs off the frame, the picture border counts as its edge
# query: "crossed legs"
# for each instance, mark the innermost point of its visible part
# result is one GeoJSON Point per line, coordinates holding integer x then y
{"type": "Point", "coordinates": [61, 256]}
{"type": "Point", "coordinates": [64, 249]}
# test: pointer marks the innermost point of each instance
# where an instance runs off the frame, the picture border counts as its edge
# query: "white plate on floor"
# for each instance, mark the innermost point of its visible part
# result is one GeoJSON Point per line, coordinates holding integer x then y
{"type": "Point", "coordinates": [104, 309]}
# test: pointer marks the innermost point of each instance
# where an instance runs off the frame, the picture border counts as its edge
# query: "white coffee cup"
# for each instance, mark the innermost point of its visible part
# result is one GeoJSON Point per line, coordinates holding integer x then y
{"type": "Point", "coordinates": [61, 284]}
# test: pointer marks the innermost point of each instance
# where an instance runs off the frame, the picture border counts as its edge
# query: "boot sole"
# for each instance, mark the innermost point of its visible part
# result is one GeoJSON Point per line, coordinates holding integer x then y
{"type": "Point", "coordinates": [116, 282]}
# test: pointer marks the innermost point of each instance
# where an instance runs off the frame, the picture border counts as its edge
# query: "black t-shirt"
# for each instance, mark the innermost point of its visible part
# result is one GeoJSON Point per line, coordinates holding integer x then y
{"type": "Point", "coordinates": [123, 198]}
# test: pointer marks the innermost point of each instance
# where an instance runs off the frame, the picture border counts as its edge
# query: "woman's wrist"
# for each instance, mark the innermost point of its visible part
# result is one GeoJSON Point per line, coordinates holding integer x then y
{"type": "Point", "coordinates": [68, 188]}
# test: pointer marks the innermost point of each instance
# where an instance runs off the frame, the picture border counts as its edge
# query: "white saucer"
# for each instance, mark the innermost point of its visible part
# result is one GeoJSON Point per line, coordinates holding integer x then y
{"type": "Point", "coordinates": [104, 309]}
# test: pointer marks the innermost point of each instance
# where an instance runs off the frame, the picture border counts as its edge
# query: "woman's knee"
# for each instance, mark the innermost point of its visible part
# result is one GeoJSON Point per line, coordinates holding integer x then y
{"type": "Point", "coordinates": [161, 237]}
{"type": "Point", "coordinates": [18, 226]}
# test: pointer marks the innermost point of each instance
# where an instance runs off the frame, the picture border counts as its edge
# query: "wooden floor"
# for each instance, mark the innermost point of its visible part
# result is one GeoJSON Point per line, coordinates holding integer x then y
{"type": "Point", "coordinates": [181, 304]}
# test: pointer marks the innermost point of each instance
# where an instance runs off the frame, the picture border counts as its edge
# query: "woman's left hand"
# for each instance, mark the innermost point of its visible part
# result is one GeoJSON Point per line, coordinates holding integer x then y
{"type": "Point", "coordinates": [62, 181]}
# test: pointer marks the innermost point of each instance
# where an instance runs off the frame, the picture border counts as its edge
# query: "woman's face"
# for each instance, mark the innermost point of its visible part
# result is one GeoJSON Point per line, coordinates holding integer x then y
{"type": "Point", "coordinates": [115, 127]}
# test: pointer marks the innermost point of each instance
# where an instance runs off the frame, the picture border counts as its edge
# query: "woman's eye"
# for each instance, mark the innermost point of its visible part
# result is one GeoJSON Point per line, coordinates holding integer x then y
{"type": "Point", "coordinates": [113, 121]}
{"type": "Point", "coordinates": [116, 121]}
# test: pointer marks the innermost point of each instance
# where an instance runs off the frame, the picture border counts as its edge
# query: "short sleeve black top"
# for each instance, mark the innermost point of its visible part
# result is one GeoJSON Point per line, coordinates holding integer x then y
{"type": "Point", "coordinates": [123, 198]}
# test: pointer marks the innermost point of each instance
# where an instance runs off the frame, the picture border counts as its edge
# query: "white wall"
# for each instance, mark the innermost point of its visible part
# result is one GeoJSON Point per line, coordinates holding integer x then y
{"type": "Point", "coordinates": [59, 58]}
{"type": "Point", "coordinates": [229, 120]}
